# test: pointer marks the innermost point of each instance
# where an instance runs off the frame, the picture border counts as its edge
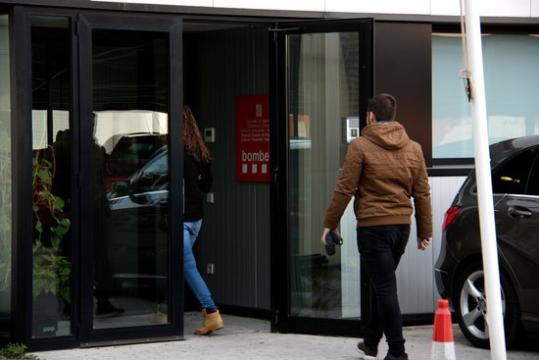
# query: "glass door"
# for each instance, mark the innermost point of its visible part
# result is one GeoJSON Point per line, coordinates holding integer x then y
{"type": "Point", "coordinates": [53, 298]}
{"type": "Point", "coordinates": [324, 80]}
{"type": "Point", "coordinates": [98, 164]}
{"type": "Point", "coordinates": [130, 119]}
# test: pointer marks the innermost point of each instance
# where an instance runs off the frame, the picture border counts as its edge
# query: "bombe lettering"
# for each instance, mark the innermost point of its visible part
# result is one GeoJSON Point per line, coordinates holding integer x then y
{"type": "Point", "coordinates": [259, 156]}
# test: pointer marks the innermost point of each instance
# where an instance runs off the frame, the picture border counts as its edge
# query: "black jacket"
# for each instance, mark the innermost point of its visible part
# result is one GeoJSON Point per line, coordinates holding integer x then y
{"type": "Point", "coordinates": [197, 181]}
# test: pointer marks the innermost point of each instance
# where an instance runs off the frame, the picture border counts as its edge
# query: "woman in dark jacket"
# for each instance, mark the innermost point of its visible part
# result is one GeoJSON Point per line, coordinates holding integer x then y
{"type": "Point", "coordinates": [197, 181]}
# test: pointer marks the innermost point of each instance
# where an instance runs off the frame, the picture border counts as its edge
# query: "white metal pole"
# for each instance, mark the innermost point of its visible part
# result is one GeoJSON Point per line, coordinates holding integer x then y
{"type": "Point", "coordinates": [484, 184]}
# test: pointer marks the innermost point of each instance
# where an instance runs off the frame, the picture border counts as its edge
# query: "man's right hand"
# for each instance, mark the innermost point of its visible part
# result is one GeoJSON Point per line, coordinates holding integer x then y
{"type": "Point", "coordinates": [325, 232]}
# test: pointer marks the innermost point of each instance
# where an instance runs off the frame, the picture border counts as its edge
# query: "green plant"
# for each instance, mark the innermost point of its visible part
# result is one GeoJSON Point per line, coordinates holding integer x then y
{"type": "Point", "coordinates": [15, 351]}
{"type": "Point", "coordinates": [51, 270]}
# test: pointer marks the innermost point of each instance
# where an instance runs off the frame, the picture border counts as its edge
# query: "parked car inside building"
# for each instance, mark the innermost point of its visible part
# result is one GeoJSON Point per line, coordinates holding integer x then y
{"type": "Point", "coordinates": [459, 272]}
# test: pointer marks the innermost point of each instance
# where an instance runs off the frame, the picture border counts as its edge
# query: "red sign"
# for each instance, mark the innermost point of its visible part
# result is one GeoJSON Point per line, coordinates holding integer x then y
{"type": "Point", "coordinates": [252, 138]}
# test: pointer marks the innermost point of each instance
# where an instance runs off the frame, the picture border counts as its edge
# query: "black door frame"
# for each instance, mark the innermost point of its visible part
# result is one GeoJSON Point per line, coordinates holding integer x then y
{"type": "Point", "coordinates": [21, 120]}
{"type": "Point", "coordinates": [281, 321]}
{"type": "Point", "coordinates": [81, 23]}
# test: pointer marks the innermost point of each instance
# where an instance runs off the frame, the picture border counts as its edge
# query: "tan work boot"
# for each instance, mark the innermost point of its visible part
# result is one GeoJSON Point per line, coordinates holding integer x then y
{"type": "Point", "coordinates": [211, 322]}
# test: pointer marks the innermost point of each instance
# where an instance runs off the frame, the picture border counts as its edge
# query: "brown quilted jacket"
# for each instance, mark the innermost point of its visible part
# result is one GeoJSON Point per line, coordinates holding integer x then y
{"type": "Point", "coordinates": [383, 169]}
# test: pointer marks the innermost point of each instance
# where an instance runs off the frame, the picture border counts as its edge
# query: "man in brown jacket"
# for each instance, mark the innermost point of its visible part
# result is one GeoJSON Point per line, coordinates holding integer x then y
{"type": "Point", "coordinates": [383, 169]}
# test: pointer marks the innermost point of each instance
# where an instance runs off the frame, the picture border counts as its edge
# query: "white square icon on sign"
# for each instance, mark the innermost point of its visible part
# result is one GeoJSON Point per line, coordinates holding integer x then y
{"type": "Point", "coordinates": [244, 168]}
{"type": "Point", "coordinates": [254, 169]}
{"type": "Point", "coordinates": [264, 168]}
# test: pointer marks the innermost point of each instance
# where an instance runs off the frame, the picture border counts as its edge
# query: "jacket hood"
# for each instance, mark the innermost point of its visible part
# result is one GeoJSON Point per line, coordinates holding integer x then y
{"type": "Point", "coordinates": [390, 135]}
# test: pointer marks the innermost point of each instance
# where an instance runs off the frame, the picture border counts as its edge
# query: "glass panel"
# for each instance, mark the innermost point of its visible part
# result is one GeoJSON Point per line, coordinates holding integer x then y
{"type": "Point", "coordinates": [51, 176]}
{"type": "Point", "coordinates": [323, 108]}
{"type": "Point", "coordinates": [130, 182]}
{"type": "Point", "coordinates": [511, 81]}
{"type": "Point", "coordinates": [5, 177]}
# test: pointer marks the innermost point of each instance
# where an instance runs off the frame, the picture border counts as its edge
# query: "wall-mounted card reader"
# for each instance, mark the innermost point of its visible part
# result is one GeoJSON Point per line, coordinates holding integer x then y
{"type": "Point", "coordinates": [209, 135]}
{"type": "Point", "coordinates": [352, 128]}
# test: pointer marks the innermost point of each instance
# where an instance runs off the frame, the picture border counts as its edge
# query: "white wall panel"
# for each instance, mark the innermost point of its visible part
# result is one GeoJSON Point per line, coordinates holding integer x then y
{"type": "Point", "coordinates": [303, 5]}
{"type": "Point", "coordinates": [415, 275]}
{"type": "Point", "coordinates": [517, 8]}
{"type": "Point", "coordinates": [534, 8]}
{"type": "Point", "coordinates": [381, 6]}
{"type": "Point", "coordinates": [513, 8]}
{"type": "Point", "coordinates": [445, 7]}
{"type": "Point", "coordinates": [208, 3]}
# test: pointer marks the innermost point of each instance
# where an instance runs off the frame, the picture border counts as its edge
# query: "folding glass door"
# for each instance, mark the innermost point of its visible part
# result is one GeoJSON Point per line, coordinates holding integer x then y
{"type": "Point", "coordinates": [103, 105]}
{"type": "Point", "coordinates": [323, 81]}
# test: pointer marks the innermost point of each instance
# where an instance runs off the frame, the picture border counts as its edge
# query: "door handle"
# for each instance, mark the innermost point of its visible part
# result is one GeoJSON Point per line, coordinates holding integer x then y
{"type": "Point", "coordinates": [519, 212]}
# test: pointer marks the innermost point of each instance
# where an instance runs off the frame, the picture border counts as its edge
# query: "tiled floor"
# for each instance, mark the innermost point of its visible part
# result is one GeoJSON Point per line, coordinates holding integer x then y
{"type": "Point", "coordinates": [251, 339]}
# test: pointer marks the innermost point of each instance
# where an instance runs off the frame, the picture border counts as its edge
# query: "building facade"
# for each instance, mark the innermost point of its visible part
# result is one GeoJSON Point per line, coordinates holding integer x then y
{"type": "Point", "coordinates": [91, 153]}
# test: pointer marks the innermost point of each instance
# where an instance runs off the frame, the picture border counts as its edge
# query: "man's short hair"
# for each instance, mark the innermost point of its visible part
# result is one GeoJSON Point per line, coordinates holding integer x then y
{"type": "Point", "coordinates": [384, 107]}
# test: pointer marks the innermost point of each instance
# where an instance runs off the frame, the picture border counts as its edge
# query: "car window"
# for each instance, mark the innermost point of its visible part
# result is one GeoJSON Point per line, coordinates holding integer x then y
{"type": "Point", "coordinates": [131, 153]}
{"type": "Point", "coordinates": [512, 176]}
{"type": "Point", "coordinates": [533, 182]}
{"type": "Point", "coordinates": [140, 147]}
{"type": "Point", "coordinates": [154, 176]}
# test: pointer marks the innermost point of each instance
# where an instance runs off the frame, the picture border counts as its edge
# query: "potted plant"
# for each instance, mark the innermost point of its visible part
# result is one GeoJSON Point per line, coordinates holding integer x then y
{"type": "Point", "coordinates": [51, 269]}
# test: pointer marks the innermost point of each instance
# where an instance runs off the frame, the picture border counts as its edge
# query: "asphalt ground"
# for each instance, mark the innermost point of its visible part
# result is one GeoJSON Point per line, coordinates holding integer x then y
{"type": "Point", "coordinates": [251, 339]}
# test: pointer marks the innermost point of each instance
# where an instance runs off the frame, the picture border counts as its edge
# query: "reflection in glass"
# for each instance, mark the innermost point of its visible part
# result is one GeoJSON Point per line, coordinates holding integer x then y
{"type": "Point", "coordinates": [323, 108]}
{"type": "Point", "coordinates": [130, 185]}
{"type": "Point", "coordinates": [51, 176]}
{"type": "Point", "coordinates": [511, 82]}
{"type": "Point", "coordinates": [5, 178]}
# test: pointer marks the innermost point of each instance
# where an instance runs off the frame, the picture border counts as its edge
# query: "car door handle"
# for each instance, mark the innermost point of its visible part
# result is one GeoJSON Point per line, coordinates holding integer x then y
{"type": "Point", "coordinates": [519, 212]}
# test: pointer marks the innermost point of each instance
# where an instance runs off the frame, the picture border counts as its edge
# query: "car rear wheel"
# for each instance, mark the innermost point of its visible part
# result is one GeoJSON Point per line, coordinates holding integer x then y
{"type": "Point", "coordinates": [471, 307]}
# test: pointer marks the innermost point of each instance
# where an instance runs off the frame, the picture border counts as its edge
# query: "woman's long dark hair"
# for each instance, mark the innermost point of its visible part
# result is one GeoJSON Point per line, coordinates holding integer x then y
{"type": "Point", "coordinates": [192, 138]}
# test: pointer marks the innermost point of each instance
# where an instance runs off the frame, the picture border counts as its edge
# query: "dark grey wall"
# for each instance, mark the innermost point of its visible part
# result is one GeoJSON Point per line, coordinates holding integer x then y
{"type": "Point", "coordinates": [402, 67]}
{"type": "Point", "coordinates": [220, 65]}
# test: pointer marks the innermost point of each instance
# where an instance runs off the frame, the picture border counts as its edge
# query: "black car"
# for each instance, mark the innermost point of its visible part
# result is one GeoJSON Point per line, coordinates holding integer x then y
{"type": "Point", "coordinates": [458, 270]}
{"type": "Point", "coordinates": [138, 243]}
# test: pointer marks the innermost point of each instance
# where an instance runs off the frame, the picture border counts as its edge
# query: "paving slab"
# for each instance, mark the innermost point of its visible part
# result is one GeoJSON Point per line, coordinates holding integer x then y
{"type": "Point", "coordinates": [251, 339]}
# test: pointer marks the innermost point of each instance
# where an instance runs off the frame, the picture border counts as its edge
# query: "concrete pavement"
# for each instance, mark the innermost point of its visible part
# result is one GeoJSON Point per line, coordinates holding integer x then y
{"type": "Point", "coordinates": [250, 339]}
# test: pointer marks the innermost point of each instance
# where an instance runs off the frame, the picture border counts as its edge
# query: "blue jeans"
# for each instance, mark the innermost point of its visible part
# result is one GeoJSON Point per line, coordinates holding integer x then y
{"type": "Point", "coordinates": [192, 276]}
{"type": "Point", "coordinates": [381, 248]}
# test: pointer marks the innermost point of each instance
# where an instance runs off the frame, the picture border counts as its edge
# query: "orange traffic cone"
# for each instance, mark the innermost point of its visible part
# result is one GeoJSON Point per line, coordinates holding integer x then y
{"type": "Point", "coordinates": [443, 345]}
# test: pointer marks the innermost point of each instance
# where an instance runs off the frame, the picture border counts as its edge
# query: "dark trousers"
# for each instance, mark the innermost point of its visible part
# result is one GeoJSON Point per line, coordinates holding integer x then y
{"type": "Point", "coordinates": [381, 248]}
